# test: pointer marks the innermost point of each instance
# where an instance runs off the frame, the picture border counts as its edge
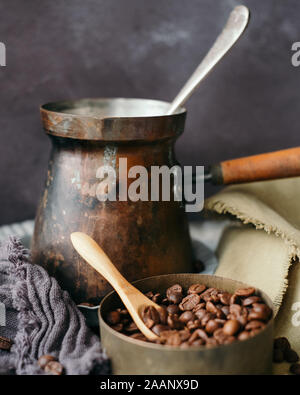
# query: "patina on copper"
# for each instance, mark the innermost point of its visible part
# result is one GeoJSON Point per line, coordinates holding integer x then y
{"type": "Point", "coordinates": [141, 238]}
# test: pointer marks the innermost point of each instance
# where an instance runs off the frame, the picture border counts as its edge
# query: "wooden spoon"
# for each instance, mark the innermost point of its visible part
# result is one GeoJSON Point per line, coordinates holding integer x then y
{"type": "Point", "coordinates": [132, 298]}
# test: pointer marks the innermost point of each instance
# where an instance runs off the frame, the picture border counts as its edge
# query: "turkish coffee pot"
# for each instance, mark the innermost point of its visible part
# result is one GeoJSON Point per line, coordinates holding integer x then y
{"type": "Point", "coordinates": [143, 238]}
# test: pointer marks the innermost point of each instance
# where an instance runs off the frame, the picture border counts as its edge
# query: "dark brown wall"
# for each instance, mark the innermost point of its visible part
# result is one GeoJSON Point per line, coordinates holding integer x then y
{"type": "Point", "coordinates": [139, 48]}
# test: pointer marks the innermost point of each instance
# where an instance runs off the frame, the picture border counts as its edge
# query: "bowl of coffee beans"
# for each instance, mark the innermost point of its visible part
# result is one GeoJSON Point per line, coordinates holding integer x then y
{"type": "Point", "coordinates": [207, 325]}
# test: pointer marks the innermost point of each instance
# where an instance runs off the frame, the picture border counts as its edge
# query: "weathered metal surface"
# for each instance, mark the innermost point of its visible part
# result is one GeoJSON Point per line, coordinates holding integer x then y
{"type": "Point", "coordinates": [67, 119]}
{"type": "Point", "coordinates": [130, 356]}
{"type": "Point", "coordinates": [141, 238]}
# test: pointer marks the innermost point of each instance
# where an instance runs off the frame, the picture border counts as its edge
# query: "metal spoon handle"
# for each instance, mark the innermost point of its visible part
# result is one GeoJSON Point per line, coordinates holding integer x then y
{"type": "Point", "coordinates": [233, 29]}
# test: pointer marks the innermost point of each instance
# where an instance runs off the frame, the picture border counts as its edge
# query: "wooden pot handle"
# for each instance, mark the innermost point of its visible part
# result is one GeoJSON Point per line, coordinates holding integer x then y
{"type": "Point", "coordinates": [273, 165]}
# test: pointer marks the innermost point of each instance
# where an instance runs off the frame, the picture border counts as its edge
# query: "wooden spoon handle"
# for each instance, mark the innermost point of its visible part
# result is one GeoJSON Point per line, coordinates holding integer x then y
{"type": "Point", "coordinates": [273, 165]}
{"type": "Point", "coordinates": [96, 257]}
{"type": "Point", "coordinates": [132, 298]}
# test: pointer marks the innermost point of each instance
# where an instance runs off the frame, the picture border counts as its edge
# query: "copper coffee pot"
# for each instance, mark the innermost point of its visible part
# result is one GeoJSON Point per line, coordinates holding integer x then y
{"type": "Point", "coordinates": [143, 238]}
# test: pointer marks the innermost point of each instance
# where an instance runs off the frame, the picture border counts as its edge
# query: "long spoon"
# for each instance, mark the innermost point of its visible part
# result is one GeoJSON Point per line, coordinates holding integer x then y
{"type": "Point", "coordinates": [132, 298]}
{"type": "Point", "coordinates": [232, 31]}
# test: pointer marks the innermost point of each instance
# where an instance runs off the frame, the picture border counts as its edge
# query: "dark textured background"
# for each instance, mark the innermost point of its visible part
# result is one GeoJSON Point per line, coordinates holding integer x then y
{"type": "Point", "coordinates": [138, 48]}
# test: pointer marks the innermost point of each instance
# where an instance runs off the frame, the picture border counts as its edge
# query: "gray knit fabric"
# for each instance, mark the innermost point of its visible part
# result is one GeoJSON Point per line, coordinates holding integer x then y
{"type": "Point", "coordinates": [42, 319]}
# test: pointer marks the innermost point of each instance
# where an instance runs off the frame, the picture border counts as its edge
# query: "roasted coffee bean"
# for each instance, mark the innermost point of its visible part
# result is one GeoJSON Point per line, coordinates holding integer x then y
{"type": "Point", "coordinates": [225, 310]}
{"type": "Point", "coordinates": [175, 297]}
{"type": "Point", "coordinates": [158, 329]}
{"type": "Point", "coordinates": [215, 296]}
{"type": "Point", "coordinates": [185, 345]}
{"type": "Point", "coordinates": [255, 325]}
{"type": "Point", "coordinates": [262, 309]}
{"type": "Point", "coordinates": [191, 325]}
{"type": "Point", "coordinates": [174, 322]}
{"type": "Point", "coordinates": [212, 326]}
{"type": "Point", "coordinates": [278, 355]}
{"type": "Point", "coordinates": [184, 334]}
{"type": "Point", "coordinates": [211, 308]}
{"type": "Point", "coordinates": [254, 332]}
{"type": "Point", "coordinates": [220, 321]}
{"type": "Point", "coordinates": [255, 316]}
{"type": "Point", "coordinates": [211, 342]}
{"type": "Point", "coordinates": [149, 322]}
{"type": "Point", "coordinates": [229, 340]}
{"type": "Point", "coordinates": [252, 299]}
{"type": "Point", "coordinates": [235, 299]}
{"type": "Point", "coordinates": [187, 316]}
{"type": "Point", "coordinates": [198, 334]}
{"type": "Point", "coordinates": [200, 314]}
{"type": "Point", "coordinates": [150, 316]}
{"type": "Point", "coordinates": [295, 369]}
{"type": "Point", "coordinates": [196, 289]}
{"type": "Point", "coordinates": [173, 340]}
{"type": "Point", "coordinates": [163, 315]}
{"type": "Point", "coordinates": [54, 367]}
{"type": "Point", "coordinates": [235, 309]}
{"type": "Point", "coordinates": [207, 295]}
{"type": "Point", "coordinates": [220, 314]}
{"type": "Point", "coordinates": [245, 292]}
{"type": "Point", "coordinates": [206, 318]}
{"type": "Point", "coordinates": [291, 356]}
{"type": "Point", "coordinates": [282, 343]}
{"type": "Point", "coordinates": [220, 336]}
{"type": "Point", "coordinates": [231, 327]}
{"type": "Point", "coordinates": [243, 319]}
{"type": "Point", "coordinates": [239, 313]}
{"type": "Point", "coordinates": [199, 306]}
{"type": "Point", "coordinates": [173, 309]}
{"type": "Point", "coordinates": [189, 302]}
{"type": "Point", "coordinates": [167, 333]}
{"type": "Point", "coordinates": [197, 343]}
{"type": "Point", "coordinates": [225, 298]}
{"type": "Point", "coordinates": [260, 313]}
{"type": "Point", "coordinates": [113, 318]}
{"type": "Point", "coordinates": [44, 360]}
{"type": "Point", "coordinates": [5, 343]}
{"type": "Point", "coordinates": [244, 335]}
{"type": "Point", "coordinates": [175, 288]}
{"type": "Point", "coordinates": [174, 294]}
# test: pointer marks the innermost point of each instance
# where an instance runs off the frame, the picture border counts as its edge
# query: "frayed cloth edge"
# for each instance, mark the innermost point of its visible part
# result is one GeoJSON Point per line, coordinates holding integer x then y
{"type": "Point", "coordinates": [221, 207]}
